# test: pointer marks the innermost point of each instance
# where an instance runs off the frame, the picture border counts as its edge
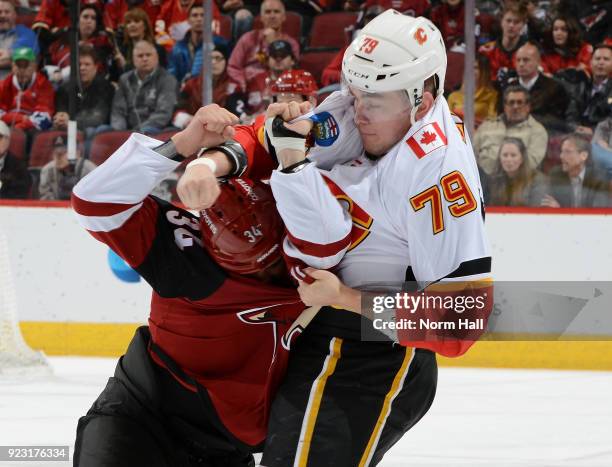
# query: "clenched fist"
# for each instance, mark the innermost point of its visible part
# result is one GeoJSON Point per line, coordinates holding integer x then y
{"type": "Point", "coordinates": [210, 126]}
{"type": "Point", "coordinates": [198, 187]}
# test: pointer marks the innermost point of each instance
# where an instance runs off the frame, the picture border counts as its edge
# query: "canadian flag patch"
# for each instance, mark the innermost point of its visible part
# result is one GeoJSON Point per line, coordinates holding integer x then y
{"type": "Point", "coordinates": [427, 139]}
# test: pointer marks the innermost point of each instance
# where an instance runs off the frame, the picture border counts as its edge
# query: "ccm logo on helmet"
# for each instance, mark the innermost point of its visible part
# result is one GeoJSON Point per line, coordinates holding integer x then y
{"type": "Point", "coordinates": [356, 74]}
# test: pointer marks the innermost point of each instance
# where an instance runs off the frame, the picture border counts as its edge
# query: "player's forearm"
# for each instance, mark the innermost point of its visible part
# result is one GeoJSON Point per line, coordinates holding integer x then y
{"type": "Point", "coordinates": [223, 167]}
{"type": "Point", "coordinates": [350, 299]}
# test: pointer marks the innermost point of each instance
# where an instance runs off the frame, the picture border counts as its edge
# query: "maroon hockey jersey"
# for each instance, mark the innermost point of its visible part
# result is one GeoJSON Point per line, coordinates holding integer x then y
{"type": "Point", "coordinates": [230, 333]}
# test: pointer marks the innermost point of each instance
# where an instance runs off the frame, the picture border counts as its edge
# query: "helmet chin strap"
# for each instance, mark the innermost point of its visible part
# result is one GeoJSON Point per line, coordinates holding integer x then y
{"type": "Point", "coordinates": [415, 106]}
{"type": "Point", "coordinates": [413, 113]}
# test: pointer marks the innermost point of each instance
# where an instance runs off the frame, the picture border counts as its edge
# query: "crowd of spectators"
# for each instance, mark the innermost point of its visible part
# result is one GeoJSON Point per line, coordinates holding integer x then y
{"type": "Point", "coordinates": [543, 94]}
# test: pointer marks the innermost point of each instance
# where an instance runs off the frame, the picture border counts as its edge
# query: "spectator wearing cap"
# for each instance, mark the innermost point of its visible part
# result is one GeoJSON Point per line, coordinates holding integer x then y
{"type": "Point", "coordinates": [548, 97]}
{"type": "Point", "coordinates": [146, 96]}
{"type": "Point", "coordinates": [591, 99]}
{"type": "Point", "coordinates": [58, 176]}
{"type": "Point", "coordinates": [501, 51]}
{"type": "Point", "coordinates": [516, 121]}
{"type": "Point", "coordinates": [190, 97]}
{"type": "Point", "coordinates": [249, 56]}
{"type": "Point", "coordinates": [26, 96]}
{"type": "Point", "coordinates": [94, 96]}
{"type": "Point", "coordinates": [280, 59]}
{"type": "Point", "coordinates": [576, 183]}
{"type": "Point", "coordinates": [184, 51]}
{"type": "Point", "coordinates": [12, 35]}
{"type": "Point", "coordinates": [14, 177]}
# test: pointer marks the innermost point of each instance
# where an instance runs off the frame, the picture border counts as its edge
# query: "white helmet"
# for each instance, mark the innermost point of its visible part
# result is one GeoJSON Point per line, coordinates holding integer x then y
{"type": "Point", "coordinates": [396, 52]}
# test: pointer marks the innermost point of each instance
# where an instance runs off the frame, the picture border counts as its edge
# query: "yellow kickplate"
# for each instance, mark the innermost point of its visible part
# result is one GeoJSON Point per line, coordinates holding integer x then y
{"type": "Point", "coordinates": [111, 340]}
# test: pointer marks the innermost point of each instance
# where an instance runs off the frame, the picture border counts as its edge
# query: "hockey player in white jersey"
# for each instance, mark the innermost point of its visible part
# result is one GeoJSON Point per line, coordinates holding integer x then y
{"type": "Point", "coordinates": [410, 210]}
{"type": "Point", "coordinates": [389, 193]}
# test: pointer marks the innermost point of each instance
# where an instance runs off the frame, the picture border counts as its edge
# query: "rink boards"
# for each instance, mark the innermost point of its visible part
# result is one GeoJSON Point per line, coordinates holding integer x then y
{"type": "Point", "coordinates": [71, 303]}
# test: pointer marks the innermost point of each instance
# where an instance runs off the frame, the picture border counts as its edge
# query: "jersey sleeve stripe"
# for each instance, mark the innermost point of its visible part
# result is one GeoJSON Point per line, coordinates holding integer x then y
{"type": "Point", "coordinates": [319, 262]}
{"type": "Point", "coordinates": [88, 208]}
{"type": "Point", "coordinates": [320, 250]}
{"type": "Point", "coordinates": [106, 223]}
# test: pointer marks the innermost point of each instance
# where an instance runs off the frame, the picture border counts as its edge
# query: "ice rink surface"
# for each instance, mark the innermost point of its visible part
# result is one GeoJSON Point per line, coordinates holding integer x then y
{"type": "Point", "coordinates": [494, 418]}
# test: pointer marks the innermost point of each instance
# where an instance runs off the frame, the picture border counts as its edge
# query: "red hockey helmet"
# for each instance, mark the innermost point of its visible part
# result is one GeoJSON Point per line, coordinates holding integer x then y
{"type": "Point", "coordinates": [295, 82]}
{"type": "Point", "coordinates": [242, 231]}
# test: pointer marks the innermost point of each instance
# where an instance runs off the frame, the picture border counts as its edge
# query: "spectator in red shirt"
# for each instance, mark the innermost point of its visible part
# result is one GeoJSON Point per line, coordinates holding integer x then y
{"type": "Point", "coordinates": [501, 52]}
{"type": "Point", "coordinates": [249, 56]}
{"type": "Point", "coordinates": [563, 47]}
{"type": "Point", "coordinates": [26, 96]}
{"type": "Point", "coordinates": [91, 31]}
{"type": "Point", "coordinates": [53, 16]}
{"type": "Point", "coordinates": [449, 16]}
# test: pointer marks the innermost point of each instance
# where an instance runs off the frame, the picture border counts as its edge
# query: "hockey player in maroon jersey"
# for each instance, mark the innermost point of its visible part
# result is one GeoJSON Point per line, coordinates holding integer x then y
{"type": "Point", "coordinates": [196, 384]}
{"type": "Point", "coordinates": [391, 194]}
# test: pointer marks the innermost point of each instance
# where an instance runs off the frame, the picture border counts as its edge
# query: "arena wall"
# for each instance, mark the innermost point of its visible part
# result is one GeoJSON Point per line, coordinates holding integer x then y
{"type": "Point", "coordinates": [71, 302]}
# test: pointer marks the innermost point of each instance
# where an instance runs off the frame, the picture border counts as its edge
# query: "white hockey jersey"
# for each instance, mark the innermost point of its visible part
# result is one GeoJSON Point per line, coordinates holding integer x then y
{"type": "Point", "coordinates": [415, 214]}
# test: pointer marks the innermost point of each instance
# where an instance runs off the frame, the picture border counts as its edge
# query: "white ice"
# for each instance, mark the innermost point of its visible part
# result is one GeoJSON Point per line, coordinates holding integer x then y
{"type": "Point", "coordinates": [494, 418]}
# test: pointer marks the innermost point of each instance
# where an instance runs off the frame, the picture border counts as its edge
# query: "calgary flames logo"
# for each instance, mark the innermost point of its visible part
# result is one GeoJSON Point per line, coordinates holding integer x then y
{"type": "Point", "coordinates": [362, 221]}
{"type": "Point", "coordinates": [420, 36]}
